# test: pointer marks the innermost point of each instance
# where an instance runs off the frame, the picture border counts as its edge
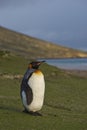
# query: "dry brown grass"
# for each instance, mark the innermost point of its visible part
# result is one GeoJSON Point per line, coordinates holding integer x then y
{"type": "Point", "coordinates": [34, 48]}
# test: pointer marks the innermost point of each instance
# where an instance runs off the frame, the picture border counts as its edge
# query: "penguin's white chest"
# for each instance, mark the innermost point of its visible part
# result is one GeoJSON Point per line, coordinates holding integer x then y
{"type": "Point", "coordinates": [37, 84]}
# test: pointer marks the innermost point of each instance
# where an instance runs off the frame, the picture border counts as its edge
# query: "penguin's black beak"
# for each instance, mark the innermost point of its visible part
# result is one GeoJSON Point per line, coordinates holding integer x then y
{"type": "Point", "coordinates": [40, 62]}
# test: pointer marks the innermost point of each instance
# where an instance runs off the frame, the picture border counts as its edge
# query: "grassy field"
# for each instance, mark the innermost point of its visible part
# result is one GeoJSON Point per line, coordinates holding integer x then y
{"type": "Point", "coordinates": [65, 106]}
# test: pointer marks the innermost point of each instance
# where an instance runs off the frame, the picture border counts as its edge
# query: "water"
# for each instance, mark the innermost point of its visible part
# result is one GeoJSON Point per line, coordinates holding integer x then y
{"type": "Point", "coordinates": [71, 63]}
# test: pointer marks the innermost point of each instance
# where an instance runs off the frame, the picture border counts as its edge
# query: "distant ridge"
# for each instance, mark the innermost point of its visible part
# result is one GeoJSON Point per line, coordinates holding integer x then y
{"type": "Point", "coordinates": [31, 47]}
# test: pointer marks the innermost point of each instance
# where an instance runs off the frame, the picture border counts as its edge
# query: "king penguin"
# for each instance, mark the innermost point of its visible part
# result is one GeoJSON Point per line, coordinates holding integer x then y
{"type": "Point", "coordinates": [33, 88]}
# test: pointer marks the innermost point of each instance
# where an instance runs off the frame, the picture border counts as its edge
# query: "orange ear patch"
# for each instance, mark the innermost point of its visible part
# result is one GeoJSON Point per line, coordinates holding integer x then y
{"type": "Point", "coordinates": [30, 66]}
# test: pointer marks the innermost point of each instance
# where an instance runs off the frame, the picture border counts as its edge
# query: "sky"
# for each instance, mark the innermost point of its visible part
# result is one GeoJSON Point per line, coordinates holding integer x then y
{"type": "Point", "coordinates": [63, 22]}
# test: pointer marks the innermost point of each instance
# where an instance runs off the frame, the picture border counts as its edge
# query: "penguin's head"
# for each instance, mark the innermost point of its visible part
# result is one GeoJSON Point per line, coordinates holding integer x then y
{"type": "Point", "coordinates": [35, 64]}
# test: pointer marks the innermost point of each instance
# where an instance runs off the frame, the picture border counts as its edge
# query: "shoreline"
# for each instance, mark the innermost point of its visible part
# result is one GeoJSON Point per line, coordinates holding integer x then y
{"type": "Point", "coordinates": [79, 73]}
{"type": "Point", "coordinates": [61, 58]}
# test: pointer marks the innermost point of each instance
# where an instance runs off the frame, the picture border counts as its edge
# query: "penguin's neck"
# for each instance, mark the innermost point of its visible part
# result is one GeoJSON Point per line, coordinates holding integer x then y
{"type": "Point", "coordinates": [28, 73]}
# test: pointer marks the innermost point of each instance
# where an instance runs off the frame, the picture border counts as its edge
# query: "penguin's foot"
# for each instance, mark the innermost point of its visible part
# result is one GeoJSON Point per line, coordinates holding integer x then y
{"type": "Point", "coordinates": [32, 113]}
{"type": "Point", "coordinates": [35, 113]}
{"type": "Point", "coordinates": [25, 111]}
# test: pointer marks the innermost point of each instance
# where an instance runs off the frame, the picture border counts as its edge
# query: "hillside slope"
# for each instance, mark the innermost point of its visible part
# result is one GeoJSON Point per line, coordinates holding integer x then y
{"type": "Point", "coordinates": [34, 48]}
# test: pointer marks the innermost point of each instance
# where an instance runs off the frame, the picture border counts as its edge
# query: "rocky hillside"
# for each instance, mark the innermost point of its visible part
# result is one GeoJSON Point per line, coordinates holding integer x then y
{"type": "Point", "coordinates": [34, 48]}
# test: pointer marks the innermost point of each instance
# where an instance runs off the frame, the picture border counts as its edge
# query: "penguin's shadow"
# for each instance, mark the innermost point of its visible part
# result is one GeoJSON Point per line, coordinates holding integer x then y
{"type": "Point", "coordinates": [10, 108]}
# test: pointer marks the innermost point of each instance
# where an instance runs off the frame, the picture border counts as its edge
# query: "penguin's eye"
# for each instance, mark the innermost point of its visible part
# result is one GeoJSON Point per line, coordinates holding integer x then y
{"type": "Point", "coordinates": [34, 65]}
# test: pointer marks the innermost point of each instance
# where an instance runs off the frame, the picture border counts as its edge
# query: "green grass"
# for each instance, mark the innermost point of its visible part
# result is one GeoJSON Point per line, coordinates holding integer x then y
{"type": "Point", "coordinates": [65, 106]}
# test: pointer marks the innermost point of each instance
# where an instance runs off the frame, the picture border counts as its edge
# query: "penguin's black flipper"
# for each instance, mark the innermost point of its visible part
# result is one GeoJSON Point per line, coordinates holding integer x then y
{"type": "Point", "coordinates": [28, 91]}
{"type": "Point", "coordinates": [29, 95]}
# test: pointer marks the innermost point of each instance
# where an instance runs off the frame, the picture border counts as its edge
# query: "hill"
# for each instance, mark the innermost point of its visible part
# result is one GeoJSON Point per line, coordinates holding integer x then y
{"type": "Point", "coordinates": [34, 48]}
